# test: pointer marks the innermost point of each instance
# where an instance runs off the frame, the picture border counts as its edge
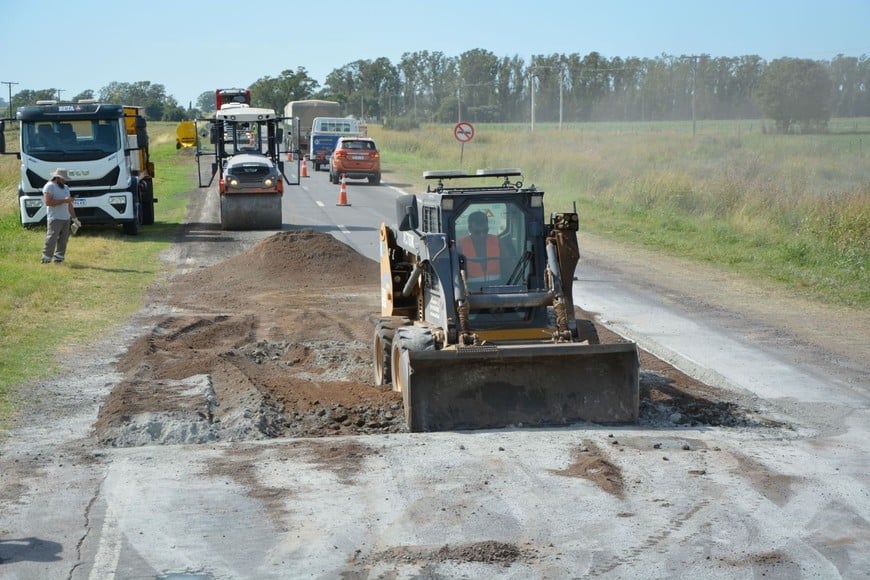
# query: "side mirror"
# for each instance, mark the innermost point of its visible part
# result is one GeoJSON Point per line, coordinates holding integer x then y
{"type": "Point", "coordinates": [2, 137]}
{"type": "Point", "coordinates": [406, 213]}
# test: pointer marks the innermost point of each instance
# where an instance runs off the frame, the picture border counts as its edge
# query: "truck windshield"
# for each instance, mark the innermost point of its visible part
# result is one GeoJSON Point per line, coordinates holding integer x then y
{"type": "Point", "coordinates": [74, 140]}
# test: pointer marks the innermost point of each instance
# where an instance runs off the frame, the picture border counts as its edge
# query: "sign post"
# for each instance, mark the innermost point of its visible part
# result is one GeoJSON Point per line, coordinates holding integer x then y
{"type": "Point", "coordinates": [464, 132]}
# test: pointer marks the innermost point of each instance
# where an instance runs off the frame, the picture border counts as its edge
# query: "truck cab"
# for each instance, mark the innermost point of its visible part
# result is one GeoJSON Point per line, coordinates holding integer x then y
{"type": "Point", "coordinates": [105, 153]}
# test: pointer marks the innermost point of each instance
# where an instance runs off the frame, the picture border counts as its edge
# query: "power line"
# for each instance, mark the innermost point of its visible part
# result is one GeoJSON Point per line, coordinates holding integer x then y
{"type": "Point", "coordinates": [9, 83]}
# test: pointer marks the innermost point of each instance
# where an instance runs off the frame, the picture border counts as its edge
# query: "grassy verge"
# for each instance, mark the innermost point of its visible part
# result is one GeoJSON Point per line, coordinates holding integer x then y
{"type": "Point", "coordinates": [48, 309]}
{"type": "Point", "coordinates": [793, 209]}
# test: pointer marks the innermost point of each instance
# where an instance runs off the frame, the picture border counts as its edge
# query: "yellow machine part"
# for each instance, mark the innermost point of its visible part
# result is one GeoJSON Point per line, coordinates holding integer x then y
{"type": "Point", "coordinates": [185, 134]}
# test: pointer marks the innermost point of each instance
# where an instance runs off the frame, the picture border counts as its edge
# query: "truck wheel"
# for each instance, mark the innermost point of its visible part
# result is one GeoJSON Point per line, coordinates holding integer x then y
{"type": "Point", "coordinates": [146, 196]}
{"type": "Point", "coordinates": [132, 228]}
{"type": "Point", "coordinates": [385, 330]}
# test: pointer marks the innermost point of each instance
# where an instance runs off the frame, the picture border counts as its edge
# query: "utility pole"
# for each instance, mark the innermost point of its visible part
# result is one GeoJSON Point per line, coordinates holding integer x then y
{"type": "Point", "coordinates": [533, 71]}
{"type": "Point", "coordinates": [59, 91]}
{"type": "Point", "coordinates": [459, 102]}
{"type": "Point", "coordinates": [694, 59]}
{"type": "Point", "coordinates": [532, 89]}
{"type": "Point", "coordinates": [694, 76]}
{"type": "Point", "coordinates": [9, 84]}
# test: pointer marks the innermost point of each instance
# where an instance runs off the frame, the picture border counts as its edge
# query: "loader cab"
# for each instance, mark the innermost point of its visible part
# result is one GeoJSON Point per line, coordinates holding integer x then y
{"type": "Point", "coordinates": [496, 232]}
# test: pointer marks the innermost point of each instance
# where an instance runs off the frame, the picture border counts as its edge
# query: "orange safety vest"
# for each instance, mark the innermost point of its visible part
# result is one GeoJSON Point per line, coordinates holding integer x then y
{"type": "Point", "coordinates": [484, 267]}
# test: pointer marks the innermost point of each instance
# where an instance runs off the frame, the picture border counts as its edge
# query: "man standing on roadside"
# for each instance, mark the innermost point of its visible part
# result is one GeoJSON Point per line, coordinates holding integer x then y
{"type": "Point", "coordinates": [60, 216]}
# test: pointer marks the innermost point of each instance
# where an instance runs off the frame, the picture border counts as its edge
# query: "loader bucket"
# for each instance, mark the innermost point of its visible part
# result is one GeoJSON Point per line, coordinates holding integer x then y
{"type": "Point", "coordinates": [251, 211]}
{"type": "Point", "coordinates": [529, 385]}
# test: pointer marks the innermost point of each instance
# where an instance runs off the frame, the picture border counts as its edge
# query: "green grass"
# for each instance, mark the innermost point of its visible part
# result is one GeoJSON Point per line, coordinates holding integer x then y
{"type": "Point", "coordinates": [48, 309]}
{"type": "Point", "coordinates": [792, 209]}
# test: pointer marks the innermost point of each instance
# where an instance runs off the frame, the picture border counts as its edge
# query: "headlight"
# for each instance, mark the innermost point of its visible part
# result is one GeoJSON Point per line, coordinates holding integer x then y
{"type": "Point", "coordinates": [32, 203]}
{"type": "Point", "coordinates": [117, 199]}
{"type": "Point", "coordinates": [234, 182]}
{"type": "Point", "coordinates": [268, 182]}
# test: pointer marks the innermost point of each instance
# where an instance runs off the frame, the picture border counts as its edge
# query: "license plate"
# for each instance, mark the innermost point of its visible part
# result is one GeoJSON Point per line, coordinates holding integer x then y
{"type": "Point", "coordinates": [357, 157]}
{"type": "Point", "coordinates": [80, 202]}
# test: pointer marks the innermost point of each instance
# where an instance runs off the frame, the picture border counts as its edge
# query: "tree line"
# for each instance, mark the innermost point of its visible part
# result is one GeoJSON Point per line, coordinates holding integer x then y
{"type": "Point", "coordinates": [479, 86]}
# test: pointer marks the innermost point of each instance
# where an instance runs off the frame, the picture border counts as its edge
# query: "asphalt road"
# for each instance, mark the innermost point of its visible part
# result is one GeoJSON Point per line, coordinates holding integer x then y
{"type": "Point", "coordinates": [783, 497]}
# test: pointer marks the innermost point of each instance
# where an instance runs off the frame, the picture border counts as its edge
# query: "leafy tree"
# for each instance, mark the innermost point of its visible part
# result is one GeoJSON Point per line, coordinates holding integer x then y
{"type": "Point", "coordinates": [28, 97]}
{"type": "Point", "coordinates": [275, 93]}
{"type": "Point", "coordinates": [142, 94]}
{"type": "Point", "coordinates": [851, 85]}
{"type": "Point", "coordinates": [205, 102]}
{"type": "Point", "coordinates": [367, 84]}
{"type": "Point", "coordinates": [172, 111]}
{"type": "Point", "coordinates": [477, 82]}
{"type": "Point", "coordinates": [545, 73]}
{"type": "Point", "coordinates": [435, 79]}
{"type": "Point", "coordinates": [413, 73]}
{"type": "Point", "coordinates": [796, 92]}
{"type": "Point", "coordinates": [86, 94]}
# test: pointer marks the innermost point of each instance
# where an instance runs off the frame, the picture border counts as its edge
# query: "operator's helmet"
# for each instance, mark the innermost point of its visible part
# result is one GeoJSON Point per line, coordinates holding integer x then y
{"type": "Point", "coordinates": [478, 224]}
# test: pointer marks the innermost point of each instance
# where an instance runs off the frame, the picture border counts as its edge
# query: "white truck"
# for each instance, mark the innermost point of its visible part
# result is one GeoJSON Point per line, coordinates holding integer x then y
{"type": "Point", "coordinates": [104, 147]}
{"type": "Point", "coordinates": [299, 117]}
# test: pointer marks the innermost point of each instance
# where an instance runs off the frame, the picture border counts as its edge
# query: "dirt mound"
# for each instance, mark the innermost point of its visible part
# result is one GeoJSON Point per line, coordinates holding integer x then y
{"type": "Point", "coordinates": [293, 258]}
{"type": "Point", "coordinates": [292, 358]}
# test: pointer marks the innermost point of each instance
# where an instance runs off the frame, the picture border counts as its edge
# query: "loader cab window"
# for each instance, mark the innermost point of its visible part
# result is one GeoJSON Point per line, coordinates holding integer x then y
{"type": "Point", "coordinates": [492, 238]}
{"type": "Point", "coordinates": [430, 219]}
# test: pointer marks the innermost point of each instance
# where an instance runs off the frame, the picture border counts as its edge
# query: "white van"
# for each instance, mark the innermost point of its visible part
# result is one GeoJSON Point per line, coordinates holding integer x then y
{"type": "Point", "coordinates": [325, 132]}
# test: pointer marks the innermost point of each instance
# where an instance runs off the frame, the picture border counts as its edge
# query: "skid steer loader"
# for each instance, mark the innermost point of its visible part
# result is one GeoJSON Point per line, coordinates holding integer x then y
{"type": "Point", "coordinates": [478, 327]}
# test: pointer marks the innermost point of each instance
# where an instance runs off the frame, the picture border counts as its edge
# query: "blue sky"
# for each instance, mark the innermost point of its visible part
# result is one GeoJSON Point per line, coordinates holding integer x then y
{"type": "Point", "coordinates": [191, 47]}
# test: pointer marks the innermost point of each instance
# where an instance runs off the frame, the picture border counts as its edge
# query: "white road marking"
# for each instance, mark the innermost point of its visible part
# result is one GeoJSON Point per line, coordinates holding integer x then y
{"type": "Point", "coordinates": [110, 539]}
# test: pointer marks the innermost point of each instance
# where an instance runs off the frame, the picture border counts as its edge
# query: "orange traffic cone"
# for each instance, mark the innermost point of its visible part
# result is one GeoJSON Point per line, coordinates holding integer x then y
{"type": "Point", "coordinates": [289, 155]}
{"type": "Point", "coordinates": [342, 192]}
{"type": "Point", "coordinates": [304, 172]}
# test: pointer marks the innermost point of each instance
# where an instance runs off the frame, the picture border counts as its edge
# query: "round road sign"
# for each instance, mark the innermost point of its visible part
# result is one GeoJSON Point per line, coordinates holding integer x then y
{"type": "Point", "coordinates": [464, 132]}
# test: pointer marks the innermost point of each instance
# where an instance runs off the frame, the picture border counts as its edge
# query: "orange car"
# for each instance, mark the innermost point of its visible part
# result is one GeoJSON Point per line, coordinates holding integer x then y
{"type": "Point", "coordinates": [355, 158]}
